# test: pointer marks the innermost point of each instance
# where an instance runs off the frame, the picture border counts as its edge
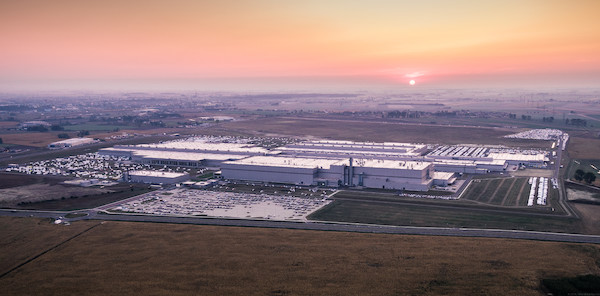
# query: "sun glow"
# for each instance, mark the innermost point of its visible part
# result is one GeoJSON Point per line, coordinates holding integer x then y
{"type": "Point", "coordinates": [412, 82]}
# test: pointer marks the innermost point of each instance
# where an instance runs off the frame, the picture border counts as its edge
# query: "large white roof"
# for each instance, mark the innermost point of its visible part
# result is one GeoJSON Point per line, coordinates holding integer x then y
{"type": "Point", "coordinates": [296, 162]}
{"type": "Point", "coordinates": [156, 174]}
{"type": "Point", "coordinates": [74, 141]}
{"type": "Point", "coordinates": [206, 146]}
{"type": "Point", "coordinates": [190, 156]}
{"type": "Point", "coordinates": [391, 164]}
{"type": "Point", "coordinates": [518, 156]}
{"type": "Point", "coordinates": [342, 151]}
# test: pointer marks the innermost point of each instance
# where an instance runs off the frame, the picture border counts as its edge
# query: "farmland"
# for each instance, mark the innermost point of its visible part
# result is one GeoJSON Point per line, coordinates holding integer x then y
{"type": "Point", "coordinates": [190, 259]}
{"type": "Point", "coordinates": [381, 131]}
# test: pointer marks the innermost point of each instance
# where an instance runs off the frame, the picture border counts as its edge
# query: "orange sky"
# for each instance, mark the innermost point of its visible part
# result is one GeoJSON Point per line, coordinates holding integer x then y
{"type": "Point", "coordinates": [437, 43]}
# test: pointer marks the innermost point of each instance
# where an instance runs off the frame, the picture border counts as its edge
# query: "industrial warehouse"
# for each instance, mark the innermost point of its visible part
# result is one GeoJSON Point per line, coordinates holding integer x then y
{"type": "Point", "coordinates": [403, 166]}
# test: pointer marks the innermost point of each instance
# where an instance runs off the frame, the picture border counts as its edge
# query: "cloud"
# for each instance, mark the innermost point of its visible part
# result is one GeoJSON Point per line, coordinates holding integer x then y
{"type": "Point", "coordinates": [414, 74]}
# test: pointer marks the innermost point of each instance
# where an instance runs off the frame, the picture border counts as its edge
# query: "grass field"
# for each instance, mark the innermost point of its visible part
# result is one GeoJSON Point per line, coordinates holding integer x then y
{"type": "Point", "coordinates": [428, 215]}
{"type": "Point", "coordinates": [377, 131]}
{"type": "Point", "coordinates": [586, 166]}
{"type": "Point", "coordinates": [119, 258]}
{"type": "Point", "coordinates": [95, 127]}
{"type": "Point", "coordinates": [507, 192]}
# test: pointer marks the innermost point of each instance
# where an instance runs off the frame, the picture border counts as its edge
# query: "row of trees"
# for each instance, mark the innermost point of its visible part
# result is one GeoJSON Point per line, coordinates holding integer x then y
{"type": "Point", "coordinates": [576, 122]}
{"type": "Point", "coordinates": [588, 177]}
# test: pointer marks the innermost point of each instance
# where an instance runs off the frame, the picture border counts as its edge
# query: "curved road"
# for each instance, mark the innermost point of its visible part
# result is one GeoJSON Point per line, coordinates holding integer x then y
{"type": "Point", "coordinates": [94, 214]}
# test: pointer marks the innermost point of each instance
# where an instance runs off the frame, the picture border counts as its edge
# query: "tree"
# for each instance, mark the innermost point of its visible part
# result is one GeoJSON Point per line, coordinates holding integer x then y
{"type": "Point", "coordinates": [37, 128]}
{"type": "Point", "coordinates": [1, 141]}
{"type": "Point", "coordinates": [589, 177]}
{"type": "Point", "coordinates": [63, 136]}
{"type": "Point", "coordinates": [56, 127]}
{"type": "Point", "coordinates": [579, 175]}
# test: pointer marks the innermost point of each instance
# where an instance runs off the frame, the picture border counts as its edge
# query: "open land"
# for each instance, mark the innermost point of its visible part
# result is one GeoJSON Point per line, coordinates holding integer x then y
{"type": "Point", "coordinates": [584, 148]}
{"type": "Point", "coordinates": [190, 259]}
{"type": "Point", "coordinates": [381, 131]}
{"type": "Point", "coordinates": [33, 139]}
{"type": "Point", "coordinates": [47, 193]}
{"type": "Point", "coordinates": [391, 213]}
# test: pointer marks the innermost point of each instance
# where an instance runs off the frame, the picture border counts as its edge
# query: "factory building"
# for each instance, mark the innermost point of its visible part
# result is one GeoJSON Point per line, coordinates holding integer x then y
{"type": "Point", "coordinates": [390, 174]}
{"type": "Point", "coordinates": [156, 177]}
{"type": "Point", "coordinates": [70, 143]}
{"type": "Point", "coordinates": [335, 163]}
{"type": "Point", "coordinates": [388, 150]}
{"type": "Point", "coordinates": [290, 170]}
{"type": "Point", "coordinates": [368, 173]}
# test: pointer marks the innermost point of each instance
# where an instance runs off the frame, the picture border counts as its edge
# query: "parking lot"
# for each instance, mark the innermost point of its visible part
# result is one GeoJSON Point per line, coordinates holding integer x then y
{"type": "Point", "coordinates": [223, 204]}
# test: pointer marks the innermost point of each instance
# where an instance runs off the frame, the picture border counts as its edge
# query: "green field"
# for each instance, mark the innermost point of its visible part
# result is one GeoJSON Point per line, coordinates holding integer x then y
{"type": "Point", "coordinates": [428, 215]}
{"type": "Point", "coordinates": [586, 166]}
{"type": "Point", "coordinates": [508, 192]}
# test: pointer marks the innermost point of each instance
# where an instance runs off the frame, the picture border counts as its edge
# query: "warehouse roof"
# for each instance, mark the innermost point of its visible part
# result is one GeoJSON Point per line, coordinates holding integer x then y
{"type": "Point", "coordinates": [519, 157]}
{"type": "Point", "coordinates": [74, 141]}
{"type": "Point", "coordinates": [391, 164]}
{"type": "Point", "coordinates": [189, 156]}
{"type": "Point", "coordinates": [206, 146]}
{"type": "Point", "coordinates": [296, 162]}
{"type": "Point", "coordinates": [156, 174]}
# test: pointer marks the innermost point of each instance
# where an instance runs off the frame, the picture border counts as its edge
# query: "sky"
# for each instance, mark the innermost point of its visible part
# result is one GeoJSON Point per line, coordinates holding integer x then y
{"type": "Point", "coordinates": [282, 44]}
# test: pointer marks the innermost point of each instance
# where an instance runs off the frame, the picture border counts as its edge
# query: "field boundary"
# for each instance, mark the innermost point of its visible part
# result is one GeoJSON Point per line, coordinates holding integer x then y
{"type": "Point", "coordinates": [48, 250]}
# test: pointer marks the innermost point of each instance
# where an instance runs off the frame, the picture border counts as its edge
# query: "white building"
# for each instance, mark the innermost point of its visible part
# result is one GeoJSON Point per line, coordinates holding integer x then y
{"type": "Point", "coordinates": [334, 163]}
{"type": "Point", "coordinates": [70, 143]}
{"type": "Point", "coordinates": [156, 177]}
{"type": "Point", "coordinates": [369, 173]}
{"type": "Point", "coordinates": [289, 170]}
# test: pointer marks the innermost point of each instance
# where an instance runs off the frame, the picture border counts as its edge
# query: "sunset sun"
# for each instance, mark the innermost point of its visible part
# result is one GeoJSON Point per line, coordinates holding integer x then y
{"type": "Point", "coordinates": [412, 82]}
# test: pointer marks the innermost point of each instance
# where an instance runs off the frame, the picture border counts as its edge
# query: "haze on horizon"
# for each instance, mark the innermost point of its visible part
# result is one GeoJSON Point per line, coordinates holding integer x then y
{"type": "Point", "coordinates": [276, 45]}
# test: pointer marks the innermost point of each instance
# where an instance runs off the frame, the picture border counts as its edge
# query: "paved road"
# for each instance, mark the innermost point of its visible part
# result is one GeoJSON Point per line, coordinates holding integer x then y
{"type": "Point", "coordinates": [318, 225]}
{"type": "Point", "coordinates": [562, 193]}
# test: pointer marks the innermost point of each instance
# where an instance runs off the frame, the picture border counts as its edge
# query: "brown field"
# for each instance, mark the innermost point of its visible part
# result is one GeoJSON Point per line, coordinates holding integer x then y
{"type": "Point", "coordinates": [22, 191]}
{"type": "Point", "coordinates": [584, 148]}
{"type": "Point", "coordinates": [9, 180]}
{"type": "Point", "coordinates": [8, 124]}
{"type": "Point", "coordinates": [40, 192]}
{"type": "Point", "coordinates": [589, 216]}
{"type": "Point", "coordinates": [34, 139]}
{"type": "Point", "coordinates": [378, 131]}
{"type": "Point", "coordinates": [119, 258]}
